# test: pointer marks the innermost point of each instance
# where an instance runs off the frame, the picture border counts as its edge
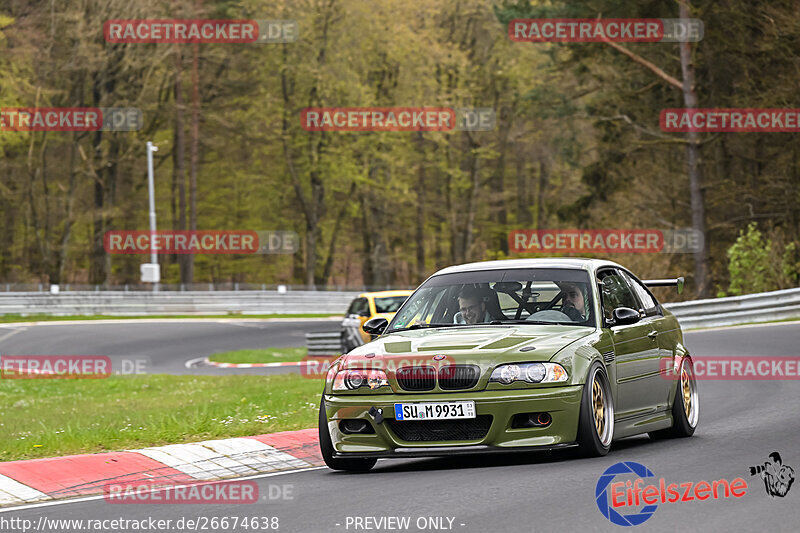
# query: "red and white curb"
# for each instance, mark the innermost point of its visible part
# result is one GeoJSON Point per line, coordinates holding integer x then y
{"type": "Point", "coordinates": [37, 480]}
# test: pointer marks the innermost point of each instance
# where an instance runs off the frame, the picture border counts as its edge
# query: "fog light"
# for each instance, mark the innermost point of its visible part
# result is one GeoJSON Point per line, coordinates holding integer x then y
{"type": "Point", "coordinates": [531, 420]}
{"type": "Point", "coordinates": [355, 425]}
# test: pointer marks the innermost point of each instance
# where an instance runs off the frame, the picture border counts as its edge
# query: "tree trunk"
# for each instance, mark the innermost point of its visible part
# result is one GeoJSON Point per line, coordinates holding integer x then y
{"type": "Point", "coordinates": [694, 164]}
{"type": "Point", "coordinates": [97, 274]}
{"type": "Point", "coordinates": [501, 216]}
{"type": "Point", "coordinates": [523, 194]}
{"type": "Point", "coordinates": [194, 154]}
{"type": "Point", "coordinates": [542, 182]}
{"type": "Point", "coordinates": [179, 173]}
{"type": "Point", "coordinates": [326, 271]}
{"type": "Point", "coordinates": [420, 231]}
{"type": "Point", "coordinates": [472, 201]}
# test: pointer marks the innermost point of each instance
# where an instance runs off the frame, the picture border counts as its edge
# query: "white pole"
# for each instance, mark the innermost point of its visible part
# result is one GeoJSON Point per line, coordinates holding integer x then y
{"type": "Point", "coordinates": [150, 187]}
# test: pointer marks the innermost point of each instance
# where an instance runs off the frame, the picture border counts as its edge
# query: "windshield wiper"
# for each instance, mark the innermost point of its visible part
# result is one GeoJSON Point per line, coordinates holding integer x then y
{"type": "Point", "coordinates": [533, 322]}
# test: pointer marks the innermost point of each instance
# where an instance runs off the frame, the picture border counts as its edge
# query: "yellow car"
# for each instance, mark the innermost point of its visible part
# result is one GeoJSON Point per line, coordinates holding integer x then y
{"type": "Point", "coordinates": [368, 305]}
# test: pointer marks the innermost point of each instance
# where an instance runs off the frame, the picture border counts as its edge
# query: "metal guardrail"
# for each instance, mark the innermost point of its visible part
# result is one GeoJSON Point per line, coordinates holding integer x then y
{"type": "Point", "coordinates": [193, 287]}
{"type": "Point", "coordinates": [175, 303]}
{"type": "Point", "coordinates": [761, 307]}
{"type": "Point", "coordinates": [328, 343]}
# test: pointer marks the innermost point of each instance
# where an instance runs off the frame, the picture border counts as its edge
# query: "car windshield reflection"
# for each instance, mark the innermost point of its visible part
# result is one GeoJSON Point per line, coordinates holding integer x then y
{"type": "Point", "coordinates": [497, 297]}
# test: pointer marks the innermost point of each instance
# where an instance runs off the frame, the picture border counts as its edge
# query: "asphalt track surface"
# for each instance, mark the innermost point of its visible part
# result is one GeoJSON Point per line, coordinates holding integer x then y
{"type": "Point", "coordinates": [741, 423]}
{"type": "Point", "coordinates": [162, 347]}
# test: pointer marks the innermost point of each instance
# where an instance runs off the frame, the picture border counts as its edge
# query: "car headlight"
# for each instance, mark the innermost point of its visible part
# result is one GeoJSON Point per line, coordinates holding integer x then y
{"type": "Point", "coordinates": [529, 372]}
{"type": "Point", "coordinates": [357, 378]}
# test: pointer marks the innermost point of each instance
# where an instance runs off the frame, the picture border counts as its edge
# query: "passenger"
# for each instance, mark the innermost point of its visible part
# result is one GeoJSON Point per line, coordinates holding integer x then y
{"type": "Point", "coordinates": [471, 307]}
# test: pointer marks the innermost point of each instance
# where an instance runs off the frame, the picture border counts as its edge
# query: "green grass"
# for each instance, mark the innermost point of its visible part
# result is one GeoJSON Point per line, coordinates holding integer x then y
{"type": "Point", "coordinates": [52, 417]}
{"type": "Point", "coordinates": [15, 317]}
{"type": "Point", "coordinates": [266, 355]}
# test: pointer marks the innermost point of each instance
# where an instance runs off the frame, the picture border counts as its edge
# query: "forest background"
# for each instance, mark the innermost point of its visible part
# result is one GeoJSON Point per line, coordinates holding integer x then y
{"type": "Point", "coordinates": [577, 142]}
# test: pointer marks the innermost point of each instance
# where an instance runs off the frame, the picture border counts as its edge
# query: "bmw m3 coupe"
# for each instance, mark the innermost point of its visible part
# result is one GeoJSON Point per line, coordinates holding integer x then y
{"type": "Point", "coordinates": [530, 354]}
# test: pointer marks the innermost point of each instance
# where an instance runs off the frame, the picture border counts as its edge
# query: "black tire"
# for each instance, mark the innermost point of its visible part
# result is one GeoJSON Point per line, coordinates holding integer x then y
{"type": "Point", "coordinates": [682, 426]}
{"type": "Point", "coordinates": [590, 443]}
{"type": "Point", "coordinates": [326, 447]}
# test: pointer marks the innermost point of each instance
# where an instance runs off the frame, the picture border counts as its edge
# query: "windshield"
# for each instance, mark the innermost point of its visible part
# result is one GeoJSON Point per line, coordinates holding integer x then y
{"type": "Point", "coordinates": [534, 296]}
{"type": "Point", "coordinates": [389, 304]}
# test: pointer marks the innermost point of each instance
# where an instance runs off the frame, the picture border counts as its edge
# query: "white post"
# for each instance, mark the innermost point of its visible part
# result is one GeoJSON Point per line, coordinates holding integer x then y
{"type": "Point", "coordinates": [151, 189]}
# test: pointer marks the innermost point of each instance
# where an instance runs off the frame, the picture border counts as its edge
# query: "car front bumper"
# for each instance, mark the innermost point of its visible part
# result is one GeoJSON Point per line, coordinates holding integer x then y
{"type": "Point", "coordinates": [562, 403]}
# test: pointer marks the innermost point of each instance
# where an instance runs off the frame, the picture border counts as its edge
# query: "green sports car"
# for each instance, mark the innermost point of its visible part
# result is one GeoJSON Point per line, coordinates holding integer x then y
{"type": "Point", "coordinates": [515, 355]}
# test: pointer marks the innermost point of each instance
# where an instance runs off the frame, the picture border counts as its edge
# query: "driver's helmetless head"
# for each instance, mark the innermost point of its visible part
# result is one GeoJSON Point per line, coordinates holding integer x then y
{"type": "Point", "coordinates": [471, 306]}
{"type": "Point", "coordinates": [573, 296]}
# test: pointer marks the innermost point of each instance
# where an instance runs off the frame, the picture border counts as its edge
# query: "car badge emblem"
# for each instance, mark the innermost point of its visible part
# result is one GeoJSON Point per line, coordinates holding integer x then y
{"type": "Point", "coordinates": [439, 357]}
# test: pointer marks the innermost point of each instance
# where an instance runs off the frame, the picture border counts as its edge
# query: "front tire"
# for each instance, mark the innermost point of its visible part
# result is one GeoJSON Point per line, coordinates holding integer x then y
{"type": "Point", "coordinates": [326, 447]}
{"type": "Point", "coordinates": [685, 407]}
{"type": "Point", "coordinates": [596, 419]}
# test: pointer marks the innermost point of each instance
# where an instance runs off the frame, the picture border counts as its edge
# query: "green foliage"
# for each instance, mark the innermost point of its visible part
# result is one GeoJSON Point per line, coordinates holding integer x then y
{"type": "Point", "coordinates": [757, 263]}
{"type": "Point", "coordinates": [791, 263]}
{"type": "Point", "coordinates": [748, 263]}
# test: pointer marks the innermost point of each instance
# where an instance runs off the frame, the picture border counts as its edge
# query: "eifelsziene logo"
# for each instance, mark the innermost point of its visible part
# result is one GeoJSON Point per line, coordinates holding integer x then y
{"type": "Point", "coordinates": [615, 497]}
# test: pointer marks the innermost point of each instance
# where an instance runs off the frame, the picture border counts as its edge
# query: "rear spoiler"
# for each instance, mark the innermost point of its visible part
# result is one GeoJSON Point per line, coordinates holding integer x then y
{"type": "Point", "coordinates": [677, 282]}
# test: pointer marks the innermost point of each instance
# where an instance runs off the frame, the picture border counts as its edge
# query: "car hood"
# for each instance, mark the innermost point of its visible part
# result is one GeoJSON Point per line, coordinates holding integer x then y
{"type": "Point", "coordinates": [492, 344]}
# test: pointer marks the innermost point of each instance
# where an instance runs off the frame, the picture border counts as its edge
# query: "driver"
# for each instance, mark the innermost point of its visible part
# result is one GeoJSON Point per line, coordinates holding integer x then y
{"type": "Point", "coordinates": [471, 307]}
{"type": "Point", "coordinates": [574, 305]}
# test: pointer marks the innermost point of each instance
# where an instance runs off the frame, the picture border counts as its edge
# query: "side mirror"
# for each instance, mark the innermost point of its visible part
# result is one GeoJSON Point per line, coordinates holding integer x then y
{"type": "Point", "coordinates": [625, 315]}
{"type": "Point", "coordinates": [375, 326]}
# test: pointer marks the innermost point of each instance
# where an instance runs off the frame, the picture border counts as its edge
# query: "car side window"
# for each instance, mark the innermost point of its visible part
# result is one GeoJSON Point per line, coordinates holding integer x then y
{"type": "Point", "coordinates": [649, 303]}
{"type": "Point", "coordinates": [616, 293]}
{"type": "Point", "coordinates": [359, 307]}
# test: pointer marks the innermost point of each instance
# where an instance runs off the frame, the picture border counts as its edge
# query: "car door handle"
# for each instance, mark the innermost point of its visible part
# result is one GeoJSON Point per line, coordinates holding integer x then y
{"type": "Point", "coordinates": [653, 334]}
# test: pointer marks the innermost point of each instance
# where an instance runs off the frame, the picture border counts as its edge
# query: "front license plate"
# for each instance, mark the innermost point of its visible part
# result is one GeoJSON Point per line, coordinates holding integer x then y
{"type": "Point", "coordinates": [434, 411]}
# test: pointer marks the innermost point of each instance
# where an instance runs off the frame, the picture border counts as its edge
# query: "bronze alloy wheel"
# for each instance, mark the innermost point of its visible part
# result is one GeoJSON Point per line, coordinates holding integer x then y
{"type": "Point", "coordinates": [689, 390]}
{"type": "Point", "coordinates": [602, 409]}
{"type": "Point", "coordinates": [599, 411]}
